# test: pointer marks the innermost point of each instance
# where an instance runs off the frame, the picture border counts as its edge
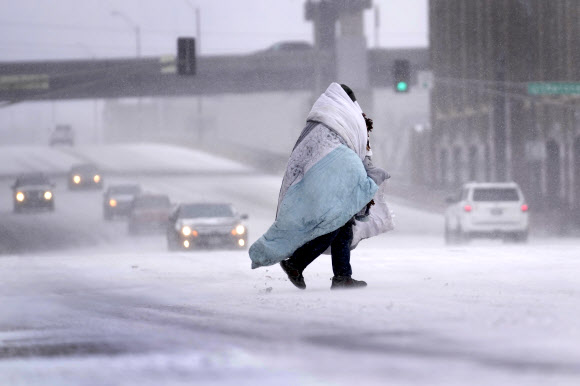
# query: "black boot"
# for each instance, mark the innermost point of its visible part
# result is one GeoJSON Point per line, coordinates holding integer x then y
{"type": "Point", "coordinates": [346, 282]}
{"type": "Point", "coordinates": [294, 275]}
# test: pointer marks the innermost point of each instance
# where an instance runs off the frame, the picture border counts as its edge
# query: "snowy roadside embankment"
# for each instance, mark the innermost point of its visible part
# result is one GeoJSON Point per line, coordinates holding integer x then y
{"type": "Point", "coordinates": [129, 159]}
{"type": "Point", "coordinates": [15, 160]}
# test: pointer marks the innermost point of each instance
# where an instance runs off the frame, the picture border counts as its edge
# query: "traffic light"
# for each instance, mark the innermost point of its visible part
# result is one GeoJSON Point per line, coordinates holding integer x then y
{"type": "Point", "coordinates": [186, 56]}
{"type": "Point", "coordinates": [402, 75]}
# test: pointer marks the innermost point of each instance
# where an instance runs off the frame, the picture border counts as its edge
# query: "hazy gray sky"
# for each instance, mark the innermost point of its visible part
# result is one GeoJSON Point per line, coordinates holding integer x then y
{"type": "Point", "coordinates": [58, 29]}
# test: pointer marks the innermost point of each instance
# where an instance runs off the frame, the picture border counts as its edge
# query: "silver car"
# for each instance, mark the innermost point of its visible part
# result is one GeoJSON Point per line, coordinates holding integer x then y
{"type": "Point", "coordinates": [206, 225]}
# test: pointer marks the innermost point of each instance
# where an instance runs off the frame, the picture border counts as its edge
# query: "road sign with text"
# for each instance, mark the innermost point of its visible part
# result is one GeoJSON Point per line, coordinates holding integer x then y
{"type": "Point", "coordinates": [553, 88]}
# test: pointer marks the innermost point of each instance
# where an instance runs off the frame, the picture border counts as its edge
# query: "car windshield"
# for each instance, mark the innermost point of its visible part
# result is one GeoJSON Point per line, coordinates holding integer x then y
{"type": "Point", "coordinates": [32, 179]}
{"type": "Point", "coordinates": [125, 189]}
{"type": "Point", "coordinates": [84, 169]}
{"type": "Point", "coordinates": [205, 210]}
{"type": "Point", "coordinates": [495, 194]}
{"type": "Point", "coordinates": [152, 202]}
{"type": "Point", "coordinates": [290, 46]}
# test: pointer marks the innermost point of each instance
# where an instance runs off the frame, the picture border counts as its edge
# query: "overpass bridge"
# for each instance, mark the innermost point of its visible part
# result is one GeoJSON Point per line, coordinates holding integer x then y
{"type": "Point", "coordinates": [156, 76]}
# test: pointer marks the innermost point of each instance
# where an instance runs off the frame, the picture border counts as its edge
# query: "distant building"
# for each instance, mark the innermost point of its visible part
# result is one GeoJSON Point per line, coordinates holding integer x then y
{"type": "Point", "coordinates": [487, 124]}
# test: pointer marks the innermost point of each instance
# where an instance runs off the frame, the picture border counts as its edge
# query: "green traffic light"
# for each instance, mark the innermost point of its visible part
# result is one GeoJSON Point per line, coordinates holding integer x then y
{"type": "Point", "coordinates": [402, 86]}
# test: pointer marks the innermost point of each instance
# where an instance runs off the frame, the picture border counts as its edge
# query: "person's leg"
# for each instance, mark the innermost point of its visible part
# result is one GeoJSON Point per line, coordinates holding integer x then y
{"type": "Point", "coordinates": [340, 250]}
{"type": "Point", "coordinates": [307, 253]}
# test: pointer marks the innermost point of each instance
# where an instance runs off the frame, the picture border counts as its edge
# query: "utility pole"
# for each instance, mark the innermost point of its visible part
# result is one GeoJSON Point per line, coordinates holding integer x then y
{"type": "Point", "coordinates": [377, 25]}
{"type": "Point", "coordinates": [138, 38]}
{"type": "Point", "coordinates": [198, 30]}
{"type": "Point", "coordinates": [135, 27]}
{"type": "Point", "coordinates": [96, 132]}
{"type": "Point", "coordinates": [197, 26]}
{"type": "Point", "coordinates": [199, 123]}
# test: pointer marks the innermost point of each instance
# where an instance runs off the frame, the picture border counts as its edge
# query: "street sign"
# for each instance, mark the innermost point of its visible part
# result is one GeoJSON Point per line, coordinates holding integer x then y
{"type": "Point", "coordinates": [168, 64]}
{"type": "Point", "coordinates": [24, 82]}
{"type": "Point", "coordinates": [553, 88]}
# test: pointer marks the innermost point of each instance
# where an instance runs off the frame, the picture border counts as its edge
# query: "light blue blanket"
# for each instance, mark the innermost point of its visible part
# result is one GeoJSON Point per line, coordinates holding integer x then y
{"type": "Point", "coordinates": [331, 192]}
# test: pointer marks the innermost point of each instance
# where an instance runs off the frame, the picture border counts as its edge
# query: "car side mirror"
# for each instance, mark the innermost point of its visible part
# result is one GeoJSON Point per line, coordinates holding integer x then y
{"type": "Point", "coordinates": [244, 216]}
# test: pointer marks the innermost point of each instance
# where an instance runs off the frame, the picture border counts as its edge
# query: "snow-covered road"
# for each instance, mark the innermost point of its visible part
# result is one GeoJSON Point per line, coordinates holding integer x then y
{"type": "Point", "coordinates": [96, 307]}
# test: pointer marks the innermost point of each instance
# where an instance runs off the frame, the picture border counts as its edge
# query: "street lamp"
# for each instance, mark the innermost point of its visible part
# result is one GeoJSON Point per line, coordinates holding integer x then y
{"type": "Point", "coordinates": [133, 26]}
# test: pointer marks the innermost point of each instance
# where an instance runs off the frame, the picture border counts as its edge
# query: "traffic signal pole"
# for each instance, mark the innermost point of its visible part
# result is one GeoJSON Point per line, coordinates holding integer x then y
{"type": "Point", "coordinates": [401, 75]}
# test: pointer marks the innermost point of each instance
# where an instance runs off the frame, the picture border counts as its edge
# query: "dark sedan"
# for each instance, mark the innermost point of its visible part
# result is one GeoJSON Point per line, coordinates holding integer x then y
{"type": "Point", "coordinates": [206, 225]}
{"type": "Point", "coordinates": [33, 191]}
{"type": "Point", "coordinates": [149, 213]}
{"type": "Point", "coordinates": [85, 176]}
{"type": "Point", "coordinates": [117, 200]}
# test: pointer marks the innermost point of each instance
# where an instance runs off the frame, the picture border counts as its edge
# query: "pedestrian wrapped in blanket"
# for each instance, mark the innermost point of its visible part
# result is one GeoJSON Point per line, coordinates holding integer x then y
{"type": "Point", "coordinates": [327, 189]}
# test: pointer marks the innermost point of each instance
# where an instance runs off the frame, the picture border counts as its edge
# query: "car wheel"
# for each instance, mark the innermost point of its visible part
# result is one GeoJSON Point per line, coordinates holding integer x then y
{"type": "Point", "coordinates": [452, 237]}
{"type": "Point", "coordinates": [519, 237]}
{"type": "Point", "coordinates": [462, 237]}
{"type": "Point", "coordinates": [447, 235]}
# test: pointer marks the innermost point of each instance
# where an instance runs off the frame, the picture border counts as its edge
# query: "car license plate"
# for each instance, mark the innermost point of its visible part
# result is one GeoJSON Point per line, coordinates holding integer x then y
{"type": "Point", "coordinates": [496, 211]}
{"type": "Point", "coordinates": [212, 240]}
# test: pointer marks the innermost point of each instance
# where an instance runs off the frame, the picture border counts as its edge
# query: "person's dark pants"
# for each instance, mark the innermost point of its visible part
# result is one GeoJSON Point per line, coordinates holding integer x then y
{"type": "Point", "coordinates": [339, 242]}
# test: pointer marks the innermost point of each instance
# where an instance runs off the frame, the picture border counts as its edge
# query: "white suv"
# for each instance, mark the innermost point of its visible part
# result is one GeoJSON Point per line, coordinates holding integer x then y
{"type": "Point", "coordinates": [487, 210]}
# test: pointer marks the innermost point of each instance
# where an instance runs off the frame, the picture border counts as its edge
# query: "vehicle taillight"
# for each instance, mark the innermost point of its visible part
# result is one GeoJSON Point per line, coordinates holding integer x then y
{"type": "Point", "coordinates": [467, 208]}
{"type": "Point", "coordinates": [525, 208]}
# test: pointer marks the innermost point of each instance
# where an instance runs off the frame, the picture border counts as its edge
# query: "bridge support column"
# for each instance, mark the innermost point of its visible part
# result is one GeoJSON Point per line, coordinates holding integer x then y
{"type": "Point", "coordinates": [343, 58]}
{"type": "Point", "coordinates": [351, 51]}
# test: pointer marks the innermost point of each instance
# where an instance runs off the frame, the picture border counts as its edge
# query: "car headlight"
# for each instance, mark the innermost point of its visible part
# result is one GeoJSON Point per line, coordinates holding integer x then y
{"type": "Point", "coordinates": [112, 202]}
{"type": "Point", "coordinates": [241, 242]}
{"type": "Point", "coordinates": [186, 231]}
{"type": "Point", "coordinates": [240, 230]}
{"type": "Point", "coordinates": [47, 195]}
{"type": "Point", "coordinates": [96, 178]}
{"type": "Point", "coordinates": [20, 197]}
{"type": "Point", "coordinates": [77, 179]}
